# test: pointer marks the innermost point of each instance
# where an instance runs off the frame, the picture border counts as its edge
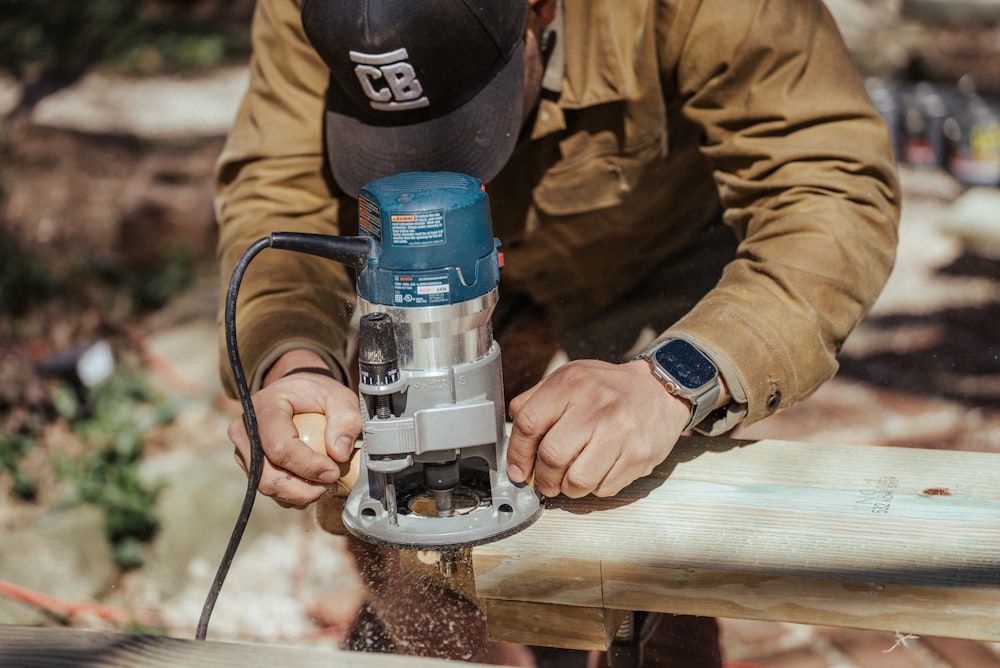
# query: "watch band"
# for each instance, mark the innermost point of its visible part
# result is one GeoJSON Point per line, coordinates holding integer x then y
{"type": "Point", "coordinates": [703, 407]}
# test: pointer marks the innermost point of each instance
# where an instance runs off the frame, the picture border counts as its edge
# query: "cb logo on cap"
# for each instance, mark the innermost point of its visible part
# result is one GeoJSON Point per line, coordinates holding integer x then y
{"type": "Point", "coordinates": [389, 81]}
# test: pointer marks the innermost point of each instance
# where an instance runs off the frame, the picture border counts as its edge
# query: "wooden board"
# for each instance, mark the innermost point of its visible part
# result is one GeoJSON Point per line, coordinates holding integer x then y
{"type": "Point", "coordinates": [31, 647]}
{"type": "Point", "coordinates": [892, 539]}
{"type": "Point", "coordinates": [551, 625]}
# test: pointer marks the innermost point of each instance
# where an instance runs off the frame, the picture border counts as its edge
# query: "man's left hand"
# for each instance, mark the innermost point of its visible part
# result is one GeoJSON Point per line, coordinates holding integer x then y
{"type": "Point", "coordinates": [592, 428]}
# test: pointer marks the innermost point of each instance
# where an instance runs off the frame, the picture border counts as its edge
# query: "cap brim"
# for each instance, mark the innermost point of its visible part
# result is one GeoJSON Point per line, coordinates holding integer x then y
{"type": "Point", "coordinates": [476, 139]}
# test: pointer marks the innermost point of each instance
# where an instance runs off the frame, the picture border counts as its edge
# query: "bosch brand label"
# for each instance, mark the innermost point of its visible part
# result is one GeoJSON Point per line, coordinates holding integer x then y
{"type": "Point", "coordinates": [410, 290]}
{"type": "Point", "coordinates": [418, 229]}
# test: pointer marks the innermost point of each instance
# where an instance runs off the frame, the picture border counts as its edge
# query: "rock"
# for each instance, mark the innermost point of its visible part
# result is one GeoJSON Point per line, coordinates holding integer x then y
{"type": "Point", "coordinates": [10, 94]}
{"type": "Point", "coordinates": [197, 511]}
{"type": "Point", "coordinates": [167, 107]}
{"type": "Point", "coordinates": [973, 219]}
{"type": "Point", "coordinates": [184, 360]}
{"type": "Point", "coordinates": [66, 554]}
{"type": "Point", "coordinates": [286, 573]}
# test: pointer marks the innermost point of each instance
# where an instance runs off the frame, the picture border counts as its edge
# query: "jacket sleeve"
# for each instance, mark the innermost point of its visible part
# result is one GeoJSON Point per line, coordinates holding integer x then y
{"type": "Point", "coordinates": [806, 175]}
{"type": "Point", "coordinates": [270, 177]}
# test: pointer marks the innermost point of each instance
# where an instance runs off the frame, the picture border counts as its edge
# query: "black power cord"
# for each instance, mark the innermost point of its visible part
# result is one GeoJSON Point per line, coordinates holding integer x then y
{"type": "Point", "coordinates": [350, 251]}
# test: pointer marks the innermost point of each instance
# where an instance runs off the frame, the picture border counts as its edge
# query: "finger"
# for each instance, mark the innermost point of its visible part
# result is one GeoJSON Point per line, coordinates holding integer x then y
{"type": "Point", "coordinates": [627, 465]}
{"type": "Point", "coordinates": [618, 478]}
{"type": "Point", "coordinates": [638, 452]}
{"type": "Point", "coordinates": [237, 434]}
{"type": "Point", "coordinates": [556, 455]}
{"type": "Point", "coordinates": [244, 466]}
{"type": "Point", "coordinates": [285, 450]}
{"type": "Point", "coordinates": [517, 402]}
{"type": "Point", "coordinates": [532, 418]}
{"type": "Point", "coordinates": [284, 487]}
{"type": "Point", "coordinates": [336, 421]}
{"type": "Point", "coordinates": [590, 468]}
{"type": "Point", "coordinates": [343, 425]}
{"type": "Point", "coordinates": [287, 488]}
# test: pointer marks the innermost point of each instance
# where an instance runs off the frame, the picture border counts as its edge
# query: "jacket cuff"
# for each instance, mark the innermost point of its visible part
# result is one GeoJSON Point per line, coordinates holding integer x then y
{"type": "Point", "coordinates": [272, 356]}
{"type": "Point", "coordinates": [270, 337]}
{"type": "Point", "coordinates": [723, 420]}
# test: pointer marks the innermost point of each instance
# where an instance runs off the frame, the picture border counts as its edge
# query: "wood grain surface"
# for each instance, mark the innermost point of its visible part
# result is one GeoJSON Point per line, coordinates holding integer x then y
{"type": "Point", "coordinates": [893, 539]}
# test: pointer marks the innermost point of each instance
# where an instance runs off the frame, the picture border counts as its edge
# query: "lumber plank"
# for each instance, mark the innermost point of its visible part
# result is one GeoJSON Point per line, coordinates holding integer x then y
{"type": "Point", "coordinates": [37, 647]}
{"type": "Point", "coordinates": [883, 538]}
{"type": "Point", "coordinates": [552, 625]}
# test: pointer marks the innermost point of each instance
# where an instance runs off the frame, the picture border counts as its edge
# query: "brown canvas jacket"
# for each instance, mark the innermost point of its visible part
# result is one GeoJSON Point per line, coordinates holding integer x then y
{"type": "Point", "coordinates": [666, 111]}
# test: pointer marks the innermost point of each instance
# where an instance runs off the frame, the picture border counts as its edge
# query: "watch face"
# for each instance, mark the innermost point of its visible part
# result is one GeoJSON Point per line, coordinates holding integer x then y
{"type": "Point", "coordinates": [685, 363]}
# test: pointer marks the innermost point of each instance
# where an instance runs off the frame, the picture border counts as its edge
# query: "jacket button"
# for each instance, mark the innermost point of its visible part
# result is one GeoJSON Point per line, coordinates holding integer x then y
{"type": "Point", "coordinates": [773, 402]}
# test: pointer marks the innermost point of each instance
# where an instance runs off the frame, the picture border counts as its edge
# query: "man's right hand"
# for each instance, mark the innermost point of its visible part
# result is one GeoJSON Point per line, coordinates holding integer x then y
{"type": "Point", "coordinates": [292, 473]}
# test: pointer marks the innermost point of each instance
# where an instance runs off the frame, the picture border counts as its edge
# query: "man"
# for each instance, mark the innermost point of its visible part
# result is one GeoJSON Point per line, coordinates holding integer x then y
{"type": "Point", "coordinates": [699, 174]}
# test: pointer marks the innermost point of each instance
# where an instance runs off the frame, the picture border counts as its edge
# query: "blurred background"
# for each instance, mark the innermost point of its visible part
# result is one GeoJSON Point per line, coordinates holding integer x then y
{"type": "Point", "coordinates": [117, 486]}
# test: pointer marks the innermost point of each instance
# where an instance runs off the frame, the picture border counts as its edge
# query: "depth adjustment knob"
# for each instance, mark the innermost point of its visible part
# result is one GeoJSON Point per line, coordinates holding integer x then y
{"type": "Point", "coordinates": [378, 360]}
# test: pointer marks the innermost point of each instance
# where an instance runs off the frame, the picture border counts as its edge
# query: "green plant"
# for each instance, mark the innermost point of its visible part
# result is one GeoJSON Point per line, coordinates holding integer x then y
{"type": "Point", "coordinates": [121, 412]}
{"type": "Point", "coordinates": [13, 447]}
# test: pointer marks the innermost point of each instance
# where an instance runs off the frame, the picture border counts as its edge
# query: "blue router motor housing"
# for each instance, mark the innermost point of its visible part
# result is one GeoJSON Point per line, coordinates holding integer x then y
{"type": "Point", "coordinates": [432, 240]}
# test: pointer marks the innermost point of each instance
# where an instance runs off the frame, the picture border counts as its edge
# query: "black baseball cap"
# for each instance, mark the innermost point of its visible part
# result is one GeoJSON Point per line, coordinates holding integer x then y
{"type": "Point", "coordinates": [419, 85]}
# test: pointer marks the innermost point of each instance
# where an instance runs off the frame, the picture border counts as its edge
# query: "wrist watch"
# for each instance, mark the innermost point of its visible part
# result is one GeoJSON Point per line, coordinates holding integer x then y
{"type": "Point", "coordinates": [688, 373]}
